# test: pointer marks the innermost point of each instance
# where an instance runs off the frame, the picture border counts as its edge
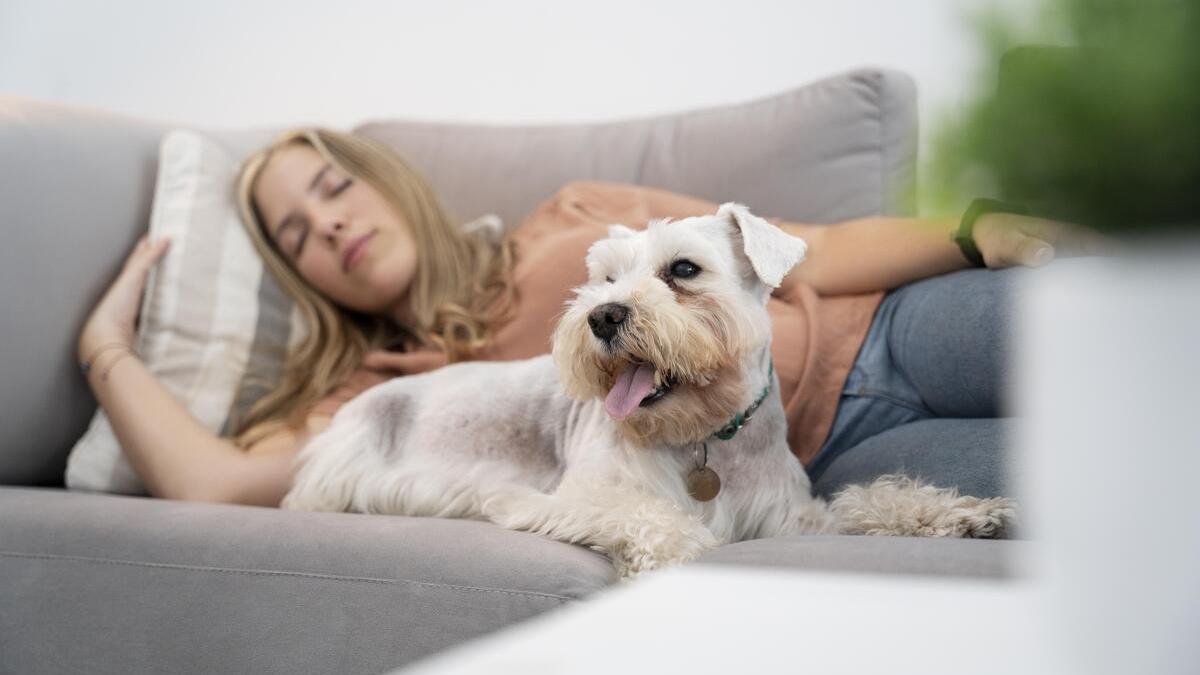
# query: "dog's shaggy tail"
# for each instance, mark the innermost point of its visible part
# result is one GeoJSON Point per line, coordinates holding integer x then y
{"type": "Point", "coordinates": [902, 506]}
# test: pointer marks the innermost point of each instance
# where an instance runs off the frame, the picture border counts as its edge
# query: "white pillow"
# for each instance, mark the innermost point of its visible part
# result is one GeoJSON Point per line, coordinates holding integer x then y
{"type": "Point", "coordinates": [214, 325]}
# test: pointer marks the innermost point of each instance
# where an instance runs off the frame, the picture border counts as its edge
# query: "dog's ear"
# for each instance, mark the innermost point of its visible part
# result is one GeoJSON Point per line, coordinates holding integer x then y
{"type": "Point", "coordinates": [618, 231]}
{"type": "Point", "coordinates": [772, 252]}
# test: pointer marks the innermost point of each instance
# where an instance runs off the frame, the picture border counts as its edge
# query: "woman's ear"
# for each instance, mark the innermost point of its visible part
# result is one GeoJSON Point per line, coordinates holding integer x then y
{"type": "Point", "coordinates": [772, 252]}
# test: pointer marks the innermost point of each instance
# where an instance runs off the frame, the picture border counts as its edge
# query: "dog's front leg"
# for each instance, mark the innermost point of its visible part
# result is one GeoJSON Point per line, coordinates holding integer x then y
{"type": "Point", "coordinates": [637, 530]}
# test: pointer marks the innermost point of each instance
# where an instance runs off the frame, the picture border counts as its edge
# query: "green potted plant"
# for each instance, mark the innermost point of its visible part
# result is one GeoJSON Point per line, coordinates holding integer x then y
{"type": "Point", "coordinates": [1104, 131]}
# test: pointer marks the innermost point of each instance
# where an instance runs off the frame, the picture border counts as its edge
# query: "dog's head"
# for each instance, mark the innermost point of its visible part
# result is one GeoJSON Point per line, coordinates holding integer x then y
{"type": "Point", "coordinates": [670, 319]}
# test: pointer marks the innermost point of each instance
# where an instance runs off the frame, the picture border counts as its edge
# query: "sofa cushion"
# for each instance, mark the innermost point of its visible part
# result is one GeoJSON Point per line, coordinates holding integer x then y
{"type": "Point", "coordinates": [840, 148]}
{"type": "Point", "coordinates": [99, 579]}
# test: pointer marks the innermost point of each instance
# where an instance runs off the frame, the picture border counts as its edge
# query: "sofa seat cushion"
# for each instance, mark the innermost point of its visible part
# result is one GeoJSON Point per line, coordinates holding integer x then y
{"type": "Point", "coordinates": [95, 579]}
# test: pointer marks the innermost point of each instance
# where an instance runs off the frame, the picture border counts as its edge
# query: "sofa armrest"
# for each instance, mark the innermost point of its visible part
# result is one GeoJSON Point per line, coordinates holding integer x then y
{"type": "Point", "coordinates": [75, 192]}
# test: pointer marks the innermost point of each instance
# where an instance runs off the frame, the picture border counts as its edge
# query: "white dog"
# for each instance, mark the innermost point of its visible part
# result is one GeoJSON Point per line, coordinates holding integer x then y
{"type": "Point", "coordinates": [655, 431]}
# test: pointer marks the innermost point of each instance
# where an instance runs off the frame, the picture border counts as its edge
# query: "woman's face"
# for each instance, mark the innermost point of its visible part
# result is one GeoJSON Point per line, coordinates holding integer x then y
{"type": "Point", "coordinates": [338, 232]}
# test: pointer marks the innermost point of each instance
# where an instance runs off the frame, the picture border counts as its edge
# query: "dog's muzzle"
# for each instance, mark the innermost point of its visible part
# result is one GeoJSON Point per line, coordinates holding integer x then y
{"type": "Point", "coordinates": [639, 384]}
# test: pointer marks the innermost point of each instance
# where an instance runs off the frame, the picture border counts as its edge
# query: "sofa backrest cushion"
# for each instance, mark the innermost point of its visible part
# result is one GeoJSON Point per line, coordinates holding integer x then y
{"type": "Point", "coordinates": [832, 150]}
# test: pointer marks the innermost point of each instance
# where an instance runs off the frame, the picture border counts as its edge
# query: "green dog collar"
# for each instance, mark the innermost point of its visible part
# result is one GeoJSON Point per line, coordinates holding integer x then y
{"type": "Point", "coordinates": [741, 419]}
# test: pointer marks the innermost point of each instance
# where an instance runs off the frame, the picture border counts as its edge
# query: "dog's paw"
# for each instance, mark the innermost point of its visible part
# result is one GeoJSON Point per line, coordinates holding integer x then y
{"type": "Point", "coordinates": [985, 518]}
{"type": "Point", "coordinates": [636, 555]}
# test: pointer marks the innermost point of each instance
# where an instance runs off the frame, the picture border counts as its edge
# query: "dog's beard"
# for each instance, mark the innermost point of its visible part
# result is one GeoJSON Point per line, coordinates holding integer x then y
{"type": "Point", "coordinates": [669, 377]}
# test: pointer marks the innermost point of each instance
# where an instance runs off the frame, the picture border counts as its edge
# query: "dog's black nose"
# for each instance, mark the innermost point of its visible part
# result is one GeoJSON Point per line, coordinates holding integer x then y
{"type": "Point", "coordinates": [605, 319]}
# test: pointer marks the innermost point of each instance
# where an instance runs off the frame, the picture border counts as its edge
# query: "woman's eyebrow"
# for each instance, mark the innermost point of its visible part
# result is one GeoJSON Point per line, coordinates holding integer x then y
{"type": "Point", "coordinates": [311, 186]}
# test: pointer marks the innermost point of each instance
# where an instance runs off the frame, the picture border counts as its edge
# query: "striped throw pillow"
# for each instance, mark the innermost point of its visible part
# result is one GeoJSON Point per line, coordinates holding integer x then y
{"type": "Point", "coordinates": [214, 326]}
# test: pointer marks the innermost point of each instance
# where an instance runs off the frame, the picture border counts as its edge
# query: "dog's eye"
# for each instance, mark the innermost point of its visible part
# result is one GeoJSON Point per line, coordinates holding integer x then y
{"type": "Point", "coordinates": [684, 269]}
{"type": "Point", "coordinates": [608, 279]}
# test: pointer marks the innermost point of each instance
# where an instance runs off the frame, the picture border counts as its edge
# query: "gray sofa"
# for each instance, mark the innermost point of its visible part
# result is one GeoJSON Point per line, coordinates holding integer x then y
{"type": "Point", "coordinates": [108, 584]}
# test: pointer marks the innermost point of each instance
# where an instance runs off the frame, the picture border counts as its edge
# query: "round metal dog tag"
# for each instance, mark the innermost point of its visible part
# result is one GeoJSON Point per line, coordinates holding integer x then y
{"type": "Point", "coordinates": [703, 484]}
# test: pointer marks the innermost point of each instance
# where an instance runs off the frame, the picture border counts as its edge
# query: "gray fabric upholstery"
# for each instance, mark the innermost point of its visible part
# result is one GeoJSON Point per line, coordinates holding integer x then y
{"type": "Point", "coordinates": [75, 190]}
{"type": "Point", "coordinates": [99, 583]}
{"type": "Point", "coordinates": [890, 555]}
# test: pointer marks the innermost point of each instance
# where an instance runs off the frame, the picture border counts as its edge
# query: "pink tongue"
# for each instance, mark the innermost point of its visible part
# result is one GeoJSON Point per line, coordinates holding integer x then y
{"type": "Point", "coordinates": [633, 385]}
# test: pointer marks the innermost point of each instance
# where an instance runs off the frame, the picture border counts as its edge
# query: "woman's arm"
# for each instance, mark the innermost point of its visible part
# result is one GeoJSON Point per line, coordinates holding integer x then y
{"type": "Point", "coordinates": [881, 253]}
{"type": "Point", "coordinates": [854, 256]}
{"type": "Point", "coordinates": [175, 456]}
{"type": "Point", "coordinates": [872, 254]}
{"type": "Point", "coordinates": [850, 257]}
{"type": "Point", "coordinates": [178, 458]}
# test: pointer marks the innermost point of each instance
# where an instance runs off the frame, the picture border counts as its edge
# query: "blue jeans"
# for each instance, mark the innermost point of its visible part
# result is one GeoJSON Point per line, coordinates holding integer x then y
{"type": "Point", "coordinates": [927, 393]}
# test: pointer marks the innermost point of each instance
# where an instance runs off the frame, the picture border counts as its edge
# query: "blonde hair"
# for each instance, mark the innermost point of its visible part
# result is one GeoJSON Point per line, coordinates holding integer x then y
{"type": "Point", "coordinates": [462, 289]}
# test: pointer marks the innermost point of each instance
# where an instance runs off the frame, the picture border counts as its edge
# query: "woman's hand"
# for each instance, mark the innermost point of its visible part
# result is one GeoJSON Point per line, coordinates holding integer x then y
{"type": "Point", "coordinates": [1007, 239]}
{"type": "Point", "coordinates": [113, 319]}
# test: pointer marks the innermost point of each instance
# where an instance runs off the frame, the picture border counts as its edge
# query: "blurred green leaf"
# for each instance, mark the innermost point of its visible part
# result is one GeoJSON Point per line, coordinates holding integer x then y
{"type": "Point", "coordinates": [1105, 131]}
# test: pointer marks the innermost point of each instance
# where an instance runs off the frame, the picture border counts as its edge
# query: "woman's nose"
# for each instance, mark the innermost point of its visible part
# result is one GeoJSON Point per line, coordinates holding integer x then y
{"type": "Point", "coordinates": [333, 226]}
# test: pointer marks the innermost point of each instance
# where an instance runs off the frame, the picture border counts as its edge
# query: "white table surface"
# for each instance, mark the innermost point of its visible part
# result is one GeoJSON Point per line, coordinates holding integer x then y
{"type": "Point", "coordinates": [728, 619]}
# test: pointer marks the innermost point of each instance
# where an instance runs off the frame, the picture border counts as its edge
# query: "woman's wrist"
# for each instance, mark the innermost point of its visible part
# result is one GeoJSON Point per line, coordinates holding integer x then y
{"type": "Point", "coordinates": [104, 358]}
{"type": "Point", "coordinates": [964, 236]}
{"type": "Point", "coordinates": [94, 341]}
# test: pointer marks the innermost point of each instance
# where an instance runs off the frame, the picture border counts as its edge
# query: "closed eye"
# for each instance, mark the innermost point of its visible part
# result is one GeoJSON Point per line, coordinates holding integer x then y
{"type": "Point", "coordinates": [300, 243]}
{"type": "Point", "coordinates": [304, 235]}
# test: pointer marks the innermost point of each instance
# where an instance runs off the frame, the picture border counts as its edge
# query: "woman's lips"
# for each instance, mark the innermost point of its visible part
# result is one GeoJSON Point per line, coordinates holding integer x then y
{"type": "Point", "coordinates": [356, 251]}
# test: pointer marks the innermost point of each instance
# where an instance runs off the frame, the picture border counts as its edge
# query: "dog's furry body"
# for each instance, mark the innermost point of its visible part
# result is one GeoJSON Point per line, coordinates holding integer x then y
{"type": "Point", "coordinates": [538, 445]}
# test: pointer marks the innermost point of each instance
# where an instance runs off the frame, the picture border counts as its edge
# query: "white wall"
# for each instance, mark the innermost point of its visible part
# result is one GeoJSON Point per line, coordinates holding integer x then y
{"type": "Point", "coordinates": [230, 63]}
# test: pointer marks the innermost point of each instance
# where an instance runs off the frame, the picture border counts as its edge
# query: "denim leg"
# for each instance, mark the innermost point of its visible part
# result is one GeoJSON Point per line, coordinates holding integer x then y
{"type": "Point", "coordinates": [972, 455]}
{"type": "Point", "coordinates": [875, 397]}
{"type": "Point", "coordinates": [939, 347]}
{"type": "Point", "coordinates": [951, 339]}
